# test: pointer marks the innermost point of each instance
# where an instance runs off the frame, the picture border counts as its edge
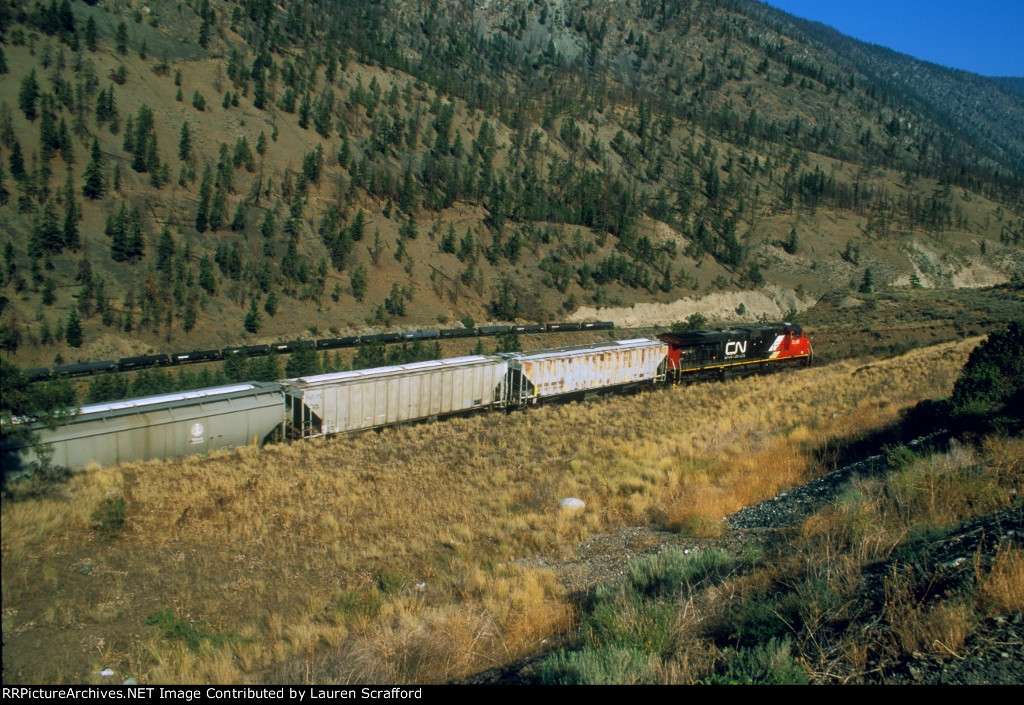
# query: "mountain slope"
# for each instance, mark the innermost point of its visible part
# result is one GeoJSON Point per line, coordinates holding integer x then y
{"type": "Point", "coordinates": [265, 173]}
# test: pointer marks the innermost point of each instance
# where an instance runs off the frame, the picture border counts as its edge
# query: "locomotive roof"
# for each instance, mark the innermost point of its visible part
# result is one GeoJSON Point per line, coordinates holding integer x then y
{"type": "Point", "coordinates": [704, 336]}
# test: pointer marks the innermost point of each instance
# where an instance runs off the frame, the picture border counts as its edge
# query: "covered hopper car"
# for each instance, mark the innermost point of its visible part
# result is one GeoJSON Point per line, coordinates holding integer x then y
{"type": "Point", "coordinates": [163, 426]}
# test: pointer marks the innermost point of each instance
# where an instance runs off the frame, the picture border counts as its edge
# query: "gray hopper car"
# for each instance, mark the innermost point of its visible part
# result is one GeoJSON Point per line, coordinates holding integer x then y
{"type": "Point", "coordinates": [363, 399]}
{"type": "Point", "coordinates": [165, 426]}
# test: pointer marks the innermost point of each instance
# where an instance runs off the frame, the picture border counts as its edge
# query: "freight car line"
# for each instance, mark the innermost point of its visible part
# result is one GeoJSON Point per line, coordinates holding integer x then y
{"type": "Point", "coordinates": [126, 364]}
{"type": "Point", "coordinates": [318, 405]}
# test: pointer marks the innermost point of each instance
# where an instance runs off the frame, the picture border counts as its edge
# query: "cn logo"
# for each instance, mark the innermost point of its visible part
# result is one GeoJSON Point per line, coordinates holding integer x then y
{"type": "Point", "coordinates": [733, 349]}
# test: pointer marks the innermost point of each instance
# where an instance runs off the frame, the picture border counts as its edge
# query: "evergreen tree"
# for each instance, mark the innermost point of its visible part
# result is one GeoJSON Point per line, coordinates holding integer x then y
{"type": "Point", "coordinates": [48, 140]}
{"type": "Point", "coordinates": [28, 95]}
{"type": "Point", "coordinates": [358, 226]}
{"type": "Point", "coordinates": [867, 284]}
{"type": "Point", "coordinates": [90, 34]}
{"type": "Point", "coordinates": [44, 403]}
{"type": "Point", "coordinates": [49, 293]}
{"type": "Point", "coordinates": [207, 279]}
{"type": "Point", "coordinates": [135, 242]}
{"type": "Point", "coordinates": [218, 210]}
{"type": "Point", "coordinates": [238, 219]}
{"type": "Point", "coordinates": [188, 319]}
{"type": "Point", "coordinates": [236, 368]}
{"type": "Point", "coordinates": [121, 38]}
{"type": "Point", "coordinates": [270, 305]}
{"type": "Point", "coordinates": [252, 319]}
{"type": "Point", "coordinates": [73, 331]}
{"type": "Point", "coordinates": [358, 280]}
{"type": "Point", "coordinates": [164, 252]}
{"type": "Point", "coordinates": [303, 361]}
{"type": "Point", "coordinates": [47, 235]}
{"type": "Point", "coordinates": [304, 109]}
{"type": "Point", "coordinates": [203, 209]}
{"type": "Point", "coordinates": [117, 229]}
{"type": "Point", "coordinates": [184, 142]}
{"type": "Point", "coordinates": [16, 162]}
{"type": "Point", "coordinates": [71, 215]}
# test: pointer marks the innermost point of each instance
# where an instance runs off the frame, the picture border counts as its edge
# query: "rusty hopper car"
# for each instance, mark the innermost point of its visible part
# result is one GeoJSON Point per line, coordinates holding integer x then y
{"type": "Point", "coordinates": [363, 399]}
{"type": "Point", "coordinates": [165, 426]}
{"type": "Point", "coordinates": [583, 368]}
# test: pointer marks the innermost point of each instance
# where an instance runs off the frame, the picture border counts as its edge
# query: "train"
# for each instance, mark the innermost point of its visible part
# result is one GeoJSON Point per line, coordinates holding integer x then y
{"type": "Point", "coordinates": [139, 362]}
{"type": "Point", "coordinates": [253, 413]}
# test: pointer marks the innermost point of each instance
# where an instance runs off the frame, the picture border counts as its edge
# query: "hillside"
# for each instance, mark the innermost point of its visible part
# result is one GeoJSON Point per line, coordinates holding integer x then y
{"type": "Point", "coordinates": [189, 175]}
{"type": "Point", "coordinates": [398, 557]}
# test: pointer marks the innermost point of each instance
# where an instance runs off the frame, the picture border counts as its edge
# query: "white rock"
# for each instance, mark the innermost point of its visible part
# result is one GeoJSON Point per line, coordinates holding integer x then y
{"type": "Point", "coordinates": [572, 503]}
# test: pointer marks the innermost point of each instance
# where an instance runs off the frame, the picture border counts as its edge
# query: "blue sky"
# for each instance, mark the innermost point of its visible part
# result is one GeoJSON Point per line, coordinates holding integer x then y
{"type": "Point", "coordinates": [983, 36]}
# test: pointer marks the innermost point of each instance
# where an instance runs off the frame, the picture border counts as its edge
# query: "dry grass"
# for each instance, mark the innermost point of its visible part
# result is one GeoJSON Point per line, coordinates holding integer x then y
{"type": "Point", "coordinates": [824, 568]}
{"type": "Point", "coordinates": [1001, 591]}
{"type": "Point", "coordinates": [914, 626]}
{"type": "Point", "coordinates": [307, 549]}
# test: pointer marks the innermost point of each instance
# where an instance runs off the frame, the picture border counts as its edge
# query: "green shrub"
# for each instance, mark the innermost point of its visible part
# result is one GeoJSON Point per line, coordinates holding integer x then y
{"type": "Point", "coordinates": [993, 378]}
{"type": "Point", "coordinates": [390, 582]}
{"type": "Point", "coordinates": [760, 619]}
{"type": "Point", "coordinates": [359, 603]}
{"type": "Point", "coordinates": [174, 627]}
{"type": "Point", "coordinates": [596, 667]}
{"type": "Point", "coordinates": [674, 571]}
{"type": "Point", "coordinates": [630, 622]}
{"type": "Point", "coordinates": [108, 519]}
{"type": "Point", "coordinates": [768, 664]}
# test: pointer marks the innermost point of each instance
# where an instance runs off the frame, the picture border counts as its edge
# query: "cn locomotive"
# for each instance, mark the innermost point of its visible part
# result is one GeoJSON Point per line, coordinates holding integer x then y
{"type": "Point", "coordinates": [205, 420]}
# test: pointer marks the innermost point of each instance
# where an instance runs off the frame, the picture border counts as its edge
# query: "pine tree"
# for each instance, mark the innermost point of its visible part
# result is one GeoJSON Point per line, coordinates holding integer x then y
{"type": "Point", "coordinates": [357, 227]}
{"type": "Point", "coordinates": [135, 242]}
{"type": "Point", "coordinates": [16, 162]}
{"type": "Point", "coordinates": [238, 219]}
{"type": "Point", "coordinates": [252, 319]}
{"type": "Point", "coordinates": [188, 319]}
{"type": "Point", "coordinates": [121, 38]}
{"type": "Point", "coordinates": [28, 95]}
{"type": "Point", "coordinates": [184, 142]}
{"type": "Point", "coordinates": [218, 210]}
{"type": "Point", "coordinates": [73, 332]}
{"type": "Point", "coordinates": [867, 284]}
{"type": "Point", "coordinates": [270, 305]}
{"type": "Point", "coordinates": [207, 279]}
{"type": "Point", "coordinates": [90, 34]}
{"type": "Point", "coordinates": [303, 361]}
{"type": "Point", "coordinates": [117, 228]}
{"type": "Point", "coordinates": [71, 215]}
{"type": "Point", "coordinates": [305, 107]}
{"type": "Point", "coordinates": [94, 182]}
{"type": "Point", "coordinates": [357, 280]}
{"type": "Point", "coordinates": [203, 210]}
{"type": "Point", "coordinates": [47, 235]}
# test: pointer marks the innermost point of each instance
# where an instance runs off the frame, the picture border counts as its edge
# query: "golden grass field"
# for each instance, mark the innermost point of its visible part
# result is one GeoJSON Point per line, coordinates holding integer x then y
{"type": "Point", "coordinates": [390, 556]}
